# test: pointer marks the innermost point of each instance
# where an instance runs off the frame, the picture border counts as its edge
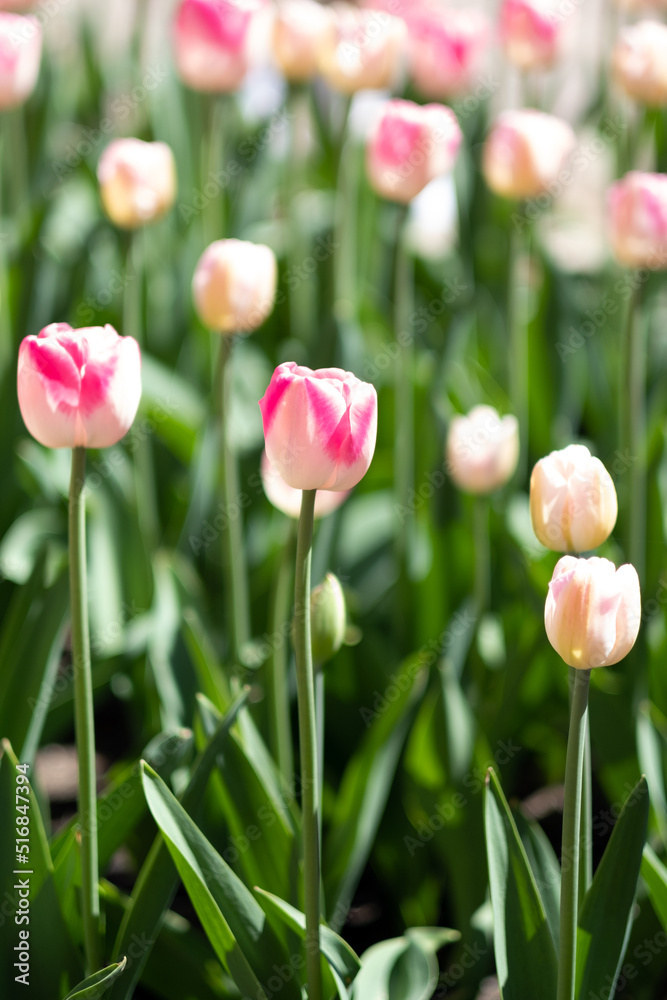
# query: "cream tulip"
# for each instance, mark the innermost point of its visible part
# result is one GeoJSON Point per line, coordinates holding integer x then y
{"type": "Point", "coordinates": [482, 450]}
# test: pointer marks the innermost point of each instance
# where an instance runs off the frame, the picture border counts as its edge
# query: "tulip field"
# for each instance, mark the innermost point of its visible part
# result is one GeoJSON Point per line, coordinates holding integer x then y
{"type": "Point", "coordinates": [333, 539]}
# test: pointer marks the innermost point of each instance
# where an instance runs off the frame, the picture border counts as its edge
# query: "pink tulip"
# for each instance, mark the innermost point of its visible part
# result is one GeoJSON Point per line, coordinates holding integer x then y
{"type": "Point", "coordinates": [79, 388]}
{"type": "Point", "coordinates": [526, 152]}
{"type": "Point", "coordinates": [592, 612]}
{"type": "Point", "coordinates": [446, 46]}
{"type": "Point", "coordinates": [573, 503]}
{"type": "Point", "coordinates": [482, 450]}
{"type": "Point", "coordinates": [639, 62]}
{"type": "Point", "coordinates": [637, 207]}
{"type": "Point", "coordinates": [410, 146]}
{"type": "Point", "coordinates": [530, 38]}
{"type": "Point", "coordinates": [213, 42]}
{"type": "Point", "coordinates": [319, 426]}
{"type": "Point", "coordinates": [137, 181]}
{"type": "Point", "coordinates": [234, 285]}
{"type": "Point", "coordinates": [361, 49]}
{"type": "Point", "coordinates": [288, 500]}
{"type": "Point", "coordinates": [20, 57]}
{"type": "Point", "coordinates": [299, 29]}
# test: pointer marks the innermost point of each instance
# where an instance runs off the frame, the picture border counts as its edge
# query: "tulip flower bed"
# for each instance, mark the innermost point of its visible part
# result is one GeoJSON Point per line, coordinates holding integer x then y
{"type": "Point", "coordinates": [333, 541]}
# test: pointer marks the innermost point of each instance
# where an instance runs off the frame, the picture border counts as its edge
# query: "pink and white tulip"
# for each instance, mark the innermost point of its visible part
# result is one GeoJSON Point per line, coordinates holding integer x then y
{"type": "Point", "coordinates": [482, 449]}
{"type": "Point", "coordinates": [573, 504]}
{"type": "Point", "coordinates": [137, 181]}
{"type": "Point", "coordinates": [639, 62]}
{"type": "Point", "coordinates": [299, 29]}
{"type": "Point", "coordinates": [319, 426]}
{"type": "Point", "coordinates": [234, 285]}
{"type": "Point", "coordinates": [79, 388]}
{"type": "Point", "coordinates": [361, 50]}
{"type": "Point", "coordinates": [288, 500]}
{"type": "Point", "coordinates": [410, 146]}
{"type": "Point", "coordinates": [637, 211]}
{"type": "Point", "coordinates": [213, 42]}
{"type": "Point", "coordinates": [525, 152]}
{"type": "Point", "coordinates": [529, 36]}
{"type": "Point", "coordinates": [592, 612]}
{"type": "Point", "coordinates": [446, 47]}
{"type": "Point", "coordinates": [20, 58]}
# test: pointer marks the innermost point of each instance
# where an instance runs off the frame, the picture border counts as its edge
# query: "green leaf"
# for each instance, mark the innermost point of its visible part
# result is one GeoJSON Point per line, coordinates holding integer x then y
{"type": "Point", "coordinates": [654, 874]}
{"type": "Point", "coordinates": [23, 543]}
{"type": "Point", "coordinates": [175, 407]}
{"type": "Point", "coordinates": [605, 917]}
{"type": "Point", "coordinates": [377, 965]}
{"type": "Point", "coordinates": [94, 986]}
{"type": "Point", "coordinates": [157, 881]}
{"type": "Point", "coordinates": [546, 869]}
{"type": "Point", "coordinates": [336, 951]}
{"type": "Point", "coordinates": [364, 791]}
{"type": "Point", "coordinates": [525, 954]}
{"type": "Point", "coordinates": [234, 922]}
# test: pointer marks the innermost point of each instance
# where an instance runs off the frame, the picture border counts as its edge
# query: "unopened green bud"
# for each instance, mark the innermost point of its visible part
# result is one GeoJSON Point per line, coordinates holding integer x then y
{"type": "Point", "coordinates": [327, 619]}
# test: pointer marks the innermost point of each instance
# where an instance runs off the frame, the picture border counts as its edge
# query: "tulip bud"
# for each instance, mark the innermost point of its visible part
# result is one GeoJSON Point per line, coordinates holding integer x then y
{"type": "Point", "coordinates": [529, 36]}
{"type": "Point", "coordinates": [137, 181]}
{"type": "Point", "coordinates": [573, 503]}
{"type": "Point", "coordinates": [593, 611]}
{"type": "Point", "coordinates": [327, 619]}
{"type": "Point", "coordinates": [446, 47]}
{"type": "Point", "coordinates": [361, 49]}
{"type": "Point", "coordinates": [482, 450]}
{"type": "Point", "coordinates": [79, 388]}
{"type": "Point", "coordinates": [637, 206]}
{"type": "Point", "coordinates": [234, 285]}
{"type": "Point", "coordinates": [319, 426]}
{"type": "Point", "coordinates": [525, 152]}
{"type": "Point", "coordinates": [639, 62]}
{"type": "Point", "coordinates": [298, 33]}
{"type": "Point", "coordinates": [213, 42]}
{"type": "Point", "coordinates": [288, 500]}
{"type": "Point", "coordinates": [410, 146]}
{"type": "Point", "coordinates": [20, 57]}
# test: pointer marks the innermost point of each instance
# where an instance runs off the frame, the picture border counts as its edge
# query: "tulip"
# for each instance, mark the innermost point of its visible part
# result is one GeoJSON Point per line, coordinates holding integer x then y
{"type": "Point", "coordinates": [79, 388]}
{"type": "Point", "coordinates": [639, 62]}
{"type": "Point", "coordinates": [288, 500]}
{"type": "Point", "coordinates": [298, 33]}
{"type": "Point", "coordinates": [530, 38]}
{"type": "Point", "coordinates": [445, 48]}
{"type": "Point", "coordinates": [525, 153]}
{"type": "Point", "coordinates": [637, 206]}
{"type": "Point", "coordinates": [213, 41]}
{"type": "Point", "coordinates": [409, 147]}
{"type": "Point", "coordinates": [361, 49]}
{"type": "Point", "coordinates": [592, 612]}
{"type": "Point", "coordinates": [20, 57]}
{"type": "Point", "coordinates": [137, 181]}
{"type": "Point", "coordinates": [482, 450]}
{"type": "Point", "coordinates": [319, 426]}
{"type": "Point", "coordinates": [328, 619]}
{"type": "Point", "coordinates": [234, 285]}
{"type": "Point", "coordinates": [573, 503]}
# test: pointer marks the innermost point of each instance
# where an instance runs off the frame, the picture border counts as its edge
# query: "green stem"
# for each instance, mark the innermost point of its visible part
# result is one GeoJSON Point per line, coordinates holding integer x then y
{"type": "Point", "coordinates": [482, 553]}
{"type": "Point", "coordinates": [404, 419]}
{"type": "Point", "coordinates": [518, 332]}
{"type": "Point", "coordinates": [280, 726]}
{"type": "Point", "coordinates": [571, 845]}
{"type": "Point", "coordinates": [83, 711]}
{"type": "Point", "coordinates": [233, 553]}
{"type": "Point", "coordinates": [586, 837]}
{"type": "Point", "coordinates": [212, 163]}
{"type": "Point", "coordinates": [318, 670]}
{"type": "Point", "coordinates": [308, 745]}
{"type": "Point", "coordinates": [635, 433]}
